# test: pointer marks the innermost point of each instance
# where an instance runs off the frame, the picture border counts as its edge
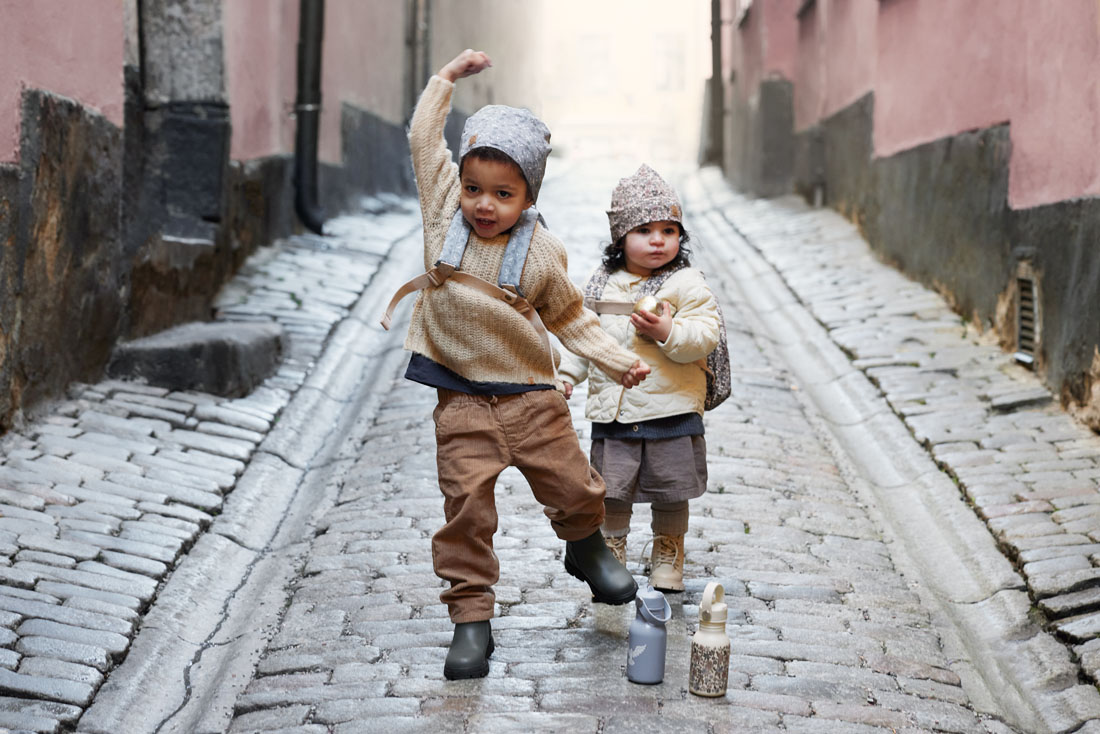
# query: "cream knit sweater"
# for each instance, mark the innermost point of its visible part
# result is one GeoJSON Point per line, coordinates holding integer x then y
{"type": "Point", "coordinates": [478, 337]}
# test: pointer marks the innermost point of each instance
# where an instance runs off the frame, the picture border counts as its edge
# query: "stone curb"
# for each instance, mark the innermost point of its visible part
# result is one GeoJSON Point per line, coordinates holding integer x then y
{"type": "Point", "coordinates": [1007, 662]}
{"type": "Point", "coordinates": [210, 623]}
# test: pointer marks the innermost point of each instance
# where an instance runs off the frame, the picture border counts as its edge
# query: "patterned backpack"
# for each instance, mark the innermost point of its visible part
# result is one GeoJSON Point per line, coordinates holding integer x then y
{"type": "Point", "coordinates": [717, 363]}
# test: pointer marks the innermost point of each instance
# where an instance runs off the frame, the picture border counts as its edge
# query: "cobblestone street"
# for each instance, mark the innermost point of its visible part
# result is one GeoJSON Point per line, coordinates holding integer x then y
{"type": "Point", "coordinates": [830, 632]}
{"type": "Point", "coordinates": [904, 521]}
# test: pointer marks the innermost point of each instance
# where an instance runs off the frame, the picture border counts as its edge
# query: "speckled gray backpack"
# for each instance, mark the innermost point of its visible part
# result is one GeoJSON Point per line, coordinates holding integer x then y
{"type": "Point", "coordinates": [717, 363]}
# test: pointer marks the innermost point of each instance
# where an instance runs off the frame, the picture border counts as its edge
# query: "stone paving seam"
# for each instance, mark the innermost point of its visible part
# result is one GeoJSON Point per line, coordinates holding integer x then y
{"type": "Point", "coordinates": [105, 488]}
{"type": "Point", "coordinates": [266, 567]}
{"type": "Point", "coordinates": [1059, 718]}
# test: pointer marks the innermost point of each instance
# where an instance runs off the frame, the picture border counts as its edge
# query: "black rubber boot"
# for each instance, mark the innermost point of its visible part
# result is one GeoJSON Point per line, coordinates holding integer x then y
{"type": "Point", "coordinates": [590, 560]}
{"type": "Point", "coordinates": [471, 647]}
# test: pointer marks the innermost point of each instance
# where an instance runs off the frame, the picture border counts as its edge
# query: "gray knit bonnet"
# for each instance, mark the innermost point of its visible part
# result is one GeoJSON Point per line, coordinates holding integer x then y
{"type": "Point", "coordinates": [641, 198]}
{"type": "Point", "coordinates": [515, 132]}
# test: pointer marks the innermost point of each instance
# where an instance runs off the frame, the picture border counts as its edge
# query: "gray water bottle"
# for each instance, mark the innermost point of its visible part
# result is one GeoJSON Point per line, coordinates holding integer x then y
{"type": "Point", "coordinates": [645, 661]}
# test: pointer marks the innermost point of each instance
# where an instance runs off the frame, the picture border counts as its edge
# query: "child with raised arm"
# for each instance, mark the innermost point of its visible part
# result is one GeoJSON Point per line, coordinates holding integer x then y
{"type": "Point", "coordinates": [500, 402]}
{"type": "Point", "coordinates": [648, 444]}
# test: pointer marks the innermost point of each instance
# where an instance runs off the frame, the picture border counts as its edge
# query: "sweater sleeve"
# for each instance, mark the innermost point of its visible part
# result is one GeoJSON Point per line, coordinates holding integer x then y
{"type": "Point", "coordinates": [436, 173]}
{"type": "Point", "coordinates": [561, 305]}
{"type": "Point", "coordinates": [695, 326]}
{"type": "Point", "coordinates": [573, 369]}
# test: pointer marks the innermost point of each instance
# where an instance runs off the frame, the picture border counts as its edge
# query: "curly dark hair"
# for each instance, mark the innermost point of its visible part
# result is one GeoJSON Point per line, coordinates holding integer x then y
{"type": "Point", "coordinates": [614, 255]}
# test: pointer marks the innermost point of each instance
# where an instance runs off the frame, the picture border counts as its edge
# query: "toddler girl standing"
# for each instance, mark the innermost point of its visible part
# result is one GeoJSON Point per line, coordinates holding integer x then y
{"type": "Point", "coordinates": [648, 443]}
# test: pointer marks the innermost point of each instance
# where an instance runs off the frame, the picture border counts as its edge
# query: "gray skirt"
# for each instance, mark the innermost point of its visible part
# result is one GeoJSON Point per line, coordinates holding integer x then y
{"type": "Point", "coordinates": [652, 470]}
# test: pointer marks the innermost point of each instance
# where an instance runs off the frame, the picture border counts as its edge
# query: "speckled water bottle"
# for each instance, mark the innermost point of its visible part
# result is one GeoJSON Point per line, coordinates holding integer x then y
{"type": "Point", "coordinates": [710, 646]}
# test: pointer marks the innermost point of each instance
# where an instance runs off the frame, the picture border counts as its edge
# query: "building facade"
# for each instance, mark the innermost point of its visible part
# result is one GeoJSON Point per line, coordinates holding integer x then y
{"type": "Point", "coordinates": [960, 137]}
{"type": "Point", "coordinates": [148, 146]}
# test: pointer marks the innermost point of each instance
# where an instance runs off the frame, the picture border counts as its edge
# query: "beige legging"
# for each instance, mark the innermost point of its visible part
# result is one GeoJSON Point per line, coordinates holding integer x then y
{"type": "Point", "coordinates": [669, 518]}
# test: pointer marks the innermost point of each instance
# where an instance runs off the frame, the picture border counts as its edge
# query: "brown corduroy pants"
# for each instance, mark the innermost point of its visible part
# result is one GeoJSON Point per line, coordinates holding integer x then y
{"type": "Point", "coordinates": [477, 437]}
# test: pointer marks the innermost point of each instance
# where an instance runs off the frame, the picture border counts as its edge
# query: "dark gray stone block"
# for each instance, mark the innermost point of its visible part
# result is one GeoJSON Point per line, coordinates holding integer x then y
{"type": "Point", "coordinates": [220, 358]}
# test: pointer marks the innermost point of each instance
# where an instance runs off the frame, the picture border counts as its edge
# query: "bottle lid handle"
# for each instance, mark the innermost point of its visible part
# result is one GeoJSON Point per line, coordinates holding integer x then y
{"type": "Point", "coordinates": [713, 594]}
{"type": "Point", "coordinates": [651, 614]}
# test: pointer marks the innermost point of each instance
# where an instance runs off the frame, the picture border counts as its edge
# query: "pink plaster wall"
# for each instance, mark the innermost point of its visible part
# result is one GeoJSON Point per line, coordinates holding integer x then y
{"type": "Point", "coordinates": [780, 36]}
{"type": "Point", "coordinates": [811, 79]}
{"type": "Point", "coordinates": [1056, 120]}
{"type": "Point", "coordinates": [765, 45]}
{"type": "Point", "coordinates": [261, 47]}
{"type": "Point", "coordinates": [942, 67]}
{"type": "Point", "coordinates": [75, 49]}
{"type": "Point", "coordinates": [364, 64]}
{"type": "Point", "coordinates": [945, 67]}
{"type": "Point", "coordinates": [836, 57]}
{"type": "Point", "coordinates": [851, 42]}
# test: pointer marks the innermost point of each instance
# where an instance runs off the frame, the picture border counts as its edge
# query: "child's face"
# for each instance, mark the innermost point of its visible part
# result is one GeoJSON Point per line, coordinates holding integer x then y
{"type": "Point", "coordinates": [494, 195]}
{"type": "Point", "coordinates": [651, 246]}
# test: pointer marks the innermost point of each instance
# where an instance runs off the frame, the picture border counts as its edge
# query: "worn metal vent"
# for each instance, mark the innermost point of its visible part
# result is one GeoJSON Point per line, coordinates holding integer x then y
{"type": "Point", "coordinates": [1027, 321]}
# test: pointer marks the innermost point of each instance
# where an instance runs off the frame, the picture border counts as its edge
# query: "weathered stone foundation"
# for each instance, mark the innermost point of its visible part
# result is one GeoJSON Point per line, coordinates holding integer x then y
{"type": "Point", "coordinates": [940, 212]}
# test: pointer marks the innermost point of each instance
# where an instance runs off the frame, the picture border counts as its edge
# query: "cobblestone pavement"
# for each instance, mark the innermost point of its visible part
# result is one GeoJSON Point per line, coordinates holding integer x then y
{"type": "Point", "coordinates": [102, 495]}
{"type": "Point", "coordinates": [182, 562]}
{"type": "Point", "coordinates": [831, 632]}
{"type": "Point", "coordinates": [1029, 469]}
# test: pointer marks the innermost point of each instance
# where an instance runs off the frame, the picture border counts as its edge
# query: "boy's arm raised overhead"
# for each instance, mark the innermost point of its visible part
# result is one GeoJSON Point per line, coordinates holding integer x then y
{"type": "Point", "coordinates": [436, 173]}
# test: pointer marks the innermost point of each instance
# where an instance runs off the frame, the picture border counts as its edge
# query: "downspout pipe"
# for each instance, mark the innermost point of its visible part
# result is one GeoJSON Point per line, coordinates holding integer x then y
{"type": "Point", "coordinates": [311, 30]}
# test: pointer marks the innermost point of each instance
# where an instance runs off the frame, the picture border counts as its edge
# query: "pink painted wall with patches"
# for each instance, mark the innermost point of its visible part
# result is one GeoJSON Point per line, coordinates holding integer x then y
{"type": "Point", "coordinates": [765, 44]}
{"type": "Point", "coordinates": [261, 38]}
{"type": "Point", "coordinates": [74, 49]}
{"type": "Point", "coordinates": [945, 67]}
{"type": "Point", "coordinates": [941, 67]}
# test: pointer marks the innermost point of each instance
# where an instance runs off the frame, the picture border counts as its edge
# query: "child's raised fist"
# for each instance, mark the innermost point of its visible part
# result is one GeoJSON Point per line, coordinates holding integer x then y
{"type": "Point", "coordinates": [467, 63]}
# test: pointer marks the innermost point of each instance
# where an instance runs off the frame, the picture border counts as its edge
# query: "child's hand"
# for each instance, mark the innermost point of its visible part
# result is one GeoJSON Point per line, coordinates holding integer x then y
{"type": "Point", "coordinates": [467, 63]}
{"type": "Point", "coordinates": [652, 325]}
{"type": "Point", "coordinates": [568, 387]}
{"type": "Point", "coordinates": [635, 374]}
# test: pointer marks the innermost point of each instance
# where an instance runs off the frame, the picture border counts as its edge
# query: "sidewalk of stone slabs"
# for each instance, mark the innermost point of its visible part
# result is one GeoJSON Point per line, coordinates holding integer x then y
{"type": "Point", "coordinates": [130, 517]}
{"type": "Point", "coordinates": [1029, 469]}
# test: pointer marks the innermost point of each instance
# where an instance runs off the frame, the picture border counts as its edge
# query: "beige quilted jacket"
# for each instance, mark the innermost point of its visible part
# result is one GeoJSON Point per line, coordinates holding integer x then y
{"type": "Point", "coordinates": [677, 384]}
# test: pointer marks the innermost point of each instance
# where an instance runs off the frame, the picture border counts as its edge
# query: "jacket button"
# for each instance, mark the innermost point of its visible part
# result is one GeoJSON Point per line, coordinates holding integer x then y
{"type": "Point", "coordinates": [635, 427]}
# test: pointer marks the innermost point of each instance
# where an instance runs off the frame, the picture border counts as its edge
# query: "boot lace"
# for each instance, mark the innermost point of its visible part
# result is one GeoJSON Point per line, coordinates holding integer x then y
{"type": "Point", "coordinates": [665, 551]}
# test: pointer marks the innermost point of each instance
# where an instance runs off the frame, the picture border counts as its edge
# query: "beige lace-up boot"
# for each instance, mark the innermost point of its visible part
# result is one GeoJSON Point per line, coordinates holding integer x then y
{"type": "Point", "coordinates": [617, 546]}
{"type": "Point", "coordinates": [666, 563]}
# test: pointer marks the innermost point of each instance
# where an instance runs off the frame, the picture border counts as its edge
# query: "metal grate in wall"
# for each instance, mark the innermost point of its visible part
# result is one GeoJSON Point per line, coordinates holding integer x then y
{"type": "Point", "coordinates": [1027, 320]}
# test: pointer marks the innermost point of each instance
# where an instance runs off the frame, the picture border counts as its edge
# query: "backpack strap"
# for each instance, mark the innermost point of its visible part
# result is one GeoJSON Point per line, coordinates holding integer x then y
{"type": "Point", "coordinates": [511, 269]}
{"type": "Point", "coordinates": [593, 290]}
{"type": "Point", "coordinates": [515, 254]}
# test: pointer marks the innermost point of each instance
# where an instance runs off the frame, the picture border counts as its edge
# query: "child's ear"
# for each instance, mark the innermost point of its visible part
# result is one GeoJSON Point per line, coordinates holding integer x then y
{"type": "Point", "coordinates": [529, 203]}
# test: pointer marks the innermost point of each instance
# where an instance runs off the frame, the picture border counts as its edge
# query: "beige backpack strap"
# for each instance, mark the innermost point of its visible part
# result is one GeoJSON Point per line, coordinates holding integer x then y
{"type": "Point", "coordinates": [612, 307]}
{"type": "Point", "coordinates": [517, 302]}
{"type": "Point", "coordinates": [442, 272]}
{"type": "Point", "coordinates": [434, 278]}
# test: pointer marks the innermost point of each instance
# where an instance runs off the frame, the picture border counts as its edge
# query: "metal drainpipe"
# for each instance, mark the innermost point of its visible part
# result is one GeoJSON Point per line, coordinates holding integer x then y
{"type": "Point", "coordinates": [311, 30]}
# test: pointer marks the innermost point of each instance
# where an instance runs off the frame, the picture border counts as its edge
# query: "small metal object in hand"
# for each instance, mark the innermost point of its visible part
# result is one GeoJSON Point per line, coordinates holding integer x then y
{"type": "Point", "coordinates": [649, 304]}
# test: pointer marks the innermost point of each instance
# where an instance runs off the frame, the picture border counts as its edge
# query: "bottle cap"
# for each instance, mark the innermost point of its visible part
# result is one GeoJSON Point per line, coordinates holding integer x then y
{"type": "Point", "coordinates": [712, 609]}
{"type": "Point", "coordinates": [655, 604]}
